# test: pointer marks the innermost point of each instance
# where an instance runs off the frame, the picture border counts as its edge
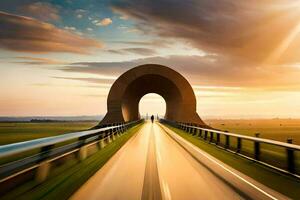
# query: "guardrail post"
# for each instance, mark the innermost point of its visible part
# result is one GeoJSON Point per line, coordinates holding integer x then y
{"type": "Point", "coordinates": [120, 128]}
{"type": "Point", "coordinates": [211, 136]}
{"type": "Point", "coordinates": [239, 145]}
{"type": "Point", "coordinates": [218, 139]}
{"type": "Point", "coordinates": [190, 129]}
{"type": "Point", "coordinates": [117, 130]}
{"type": "Point", "coordinates": [101, 142]}
{"type": "Point", "coordinates": [227, 141]}
{"type": "Point", "coordinates": [82, 153]}
{"type": "Point", "coordinates": [112, 133]}
{"type": "Point", "coordinates": [194, 131]}
{"type": "Point", "coordinates": [123, 128]}
{"type": "Point", "coordinates": [185, 127]}
{"type": "Point", "coordinates": [205, 135]}
{"type": "Point", "coordinates": [42, 171]}
{"type": "Point", "coordinates": [257, 148]}
{"type": "Point", "coordinates": [108, 136]}
{"type": "Point", "coordinates": [290, 157]}
{"type": "Point", "coordinates": [200, 132]}
{"type": "Point", "coordinates": [44, 166]}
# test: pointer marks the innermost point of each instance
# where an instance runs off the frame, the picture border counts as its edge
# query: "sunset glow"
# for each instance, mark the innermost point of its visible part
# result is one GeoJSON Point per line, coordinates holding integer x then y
{"type": "Point", "coordinates": [61, 57]}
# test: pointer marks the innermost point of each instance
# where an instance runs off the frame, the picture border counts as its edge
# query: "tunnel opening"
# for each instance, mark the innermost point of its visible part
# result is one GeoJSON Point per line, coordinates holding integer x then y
{"type": "Point", "coordinates": [152, 104]}
{"type": "Point", "coordinates": [150, 83]}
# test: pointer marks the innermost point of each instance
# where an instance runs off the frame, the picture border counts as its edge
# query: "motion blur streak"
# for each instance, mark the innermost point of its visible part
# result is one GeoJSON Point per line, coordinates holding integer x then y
{"type": "Point", "coordinates": [180, 175]}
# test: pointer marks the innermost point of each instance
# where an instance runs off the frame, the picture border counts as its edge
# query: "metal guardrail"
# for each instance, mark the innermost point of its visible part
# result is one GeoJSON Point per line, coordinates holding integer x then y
{"type": "Point", "coordinates": [53, 148]}
{"type": "Point", "coordinates": [213, 136]}
{"type": "Point", "coordinates": [11, 149]}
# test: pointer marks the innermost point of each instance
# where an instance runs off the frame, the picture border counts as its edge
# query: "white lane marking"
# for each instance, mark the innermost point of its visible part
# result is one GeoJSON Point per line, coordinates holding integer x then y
{"type": "Point", "coordinates": [225, 168]}
{"type": "Point", "coordinates": [167, 194]}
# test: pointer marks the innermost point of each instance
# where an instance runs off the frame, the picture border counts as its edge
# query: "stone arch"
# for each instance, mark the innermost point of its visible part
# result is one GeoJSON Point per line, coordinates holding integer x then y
{"type": "Point", "coordinates": [131, 86]}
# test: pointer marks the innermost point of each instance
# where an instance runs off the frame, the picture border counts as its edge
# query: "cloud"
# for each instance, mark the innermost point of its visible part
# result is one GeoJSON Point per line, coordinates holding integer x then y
{"type": "Point", "coordinates": [24, 34]}
{"type": "Point", "coordinates": [39, 61]}
{"type": "Point", "coordinates": [95, 95]}
{"type": "Point", "coordinates": [70, 28]}
{"type": "Point", "coordinates": [100, 81]}
{"type": "Point", "coordinates": [242, 30]}
{"type": "Point", "coordinates": [41, 10]}
{"type": "Point", "coordinates": [79, 16]}
{"type": "Point", "coordinates": [153, 43]}
{"type": "Point", "coordinates": [81, 11]}
{"type": "Point", "coordinates": [103, 22]}
{"type": "Point", "coordinates": [123, 17]}
{"type": "Point", "coordinates": [138, 51]}
{"type": "Point", "coordinates": [202, 71]}
{"type": "Point", "coordinates": [109, 68]}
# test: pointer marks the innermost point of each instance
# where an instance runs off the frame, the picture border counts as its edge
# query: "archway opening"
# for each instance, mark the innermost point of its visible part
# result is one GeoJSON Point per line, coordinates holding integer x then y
{"type": "Point", "coordinates": [150, 83]}
{"type": "Point", "coordinates": [152, 104]}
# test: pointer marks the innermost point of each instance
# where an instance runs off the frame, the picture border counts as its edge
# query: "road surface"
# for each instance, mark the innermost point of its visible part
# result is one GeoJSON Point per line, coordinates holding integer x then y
{"type": "Point", "coordinates": [154, 164]}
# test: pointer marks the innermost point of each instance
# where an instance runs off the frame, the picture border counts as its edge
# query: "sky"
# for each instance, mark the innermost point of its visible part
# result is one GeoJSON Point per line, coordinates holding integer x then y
{"type": "Point", "coordinates": [60, 58]}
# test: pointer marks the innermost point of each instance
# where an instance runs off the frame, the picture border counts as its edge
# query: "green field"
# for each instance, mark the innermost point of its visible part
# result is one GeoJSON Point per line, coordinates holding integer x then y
{"type": "Point", "coordinates": [16, 131]}
{"type": "Point", "coordinates": [276, 129]}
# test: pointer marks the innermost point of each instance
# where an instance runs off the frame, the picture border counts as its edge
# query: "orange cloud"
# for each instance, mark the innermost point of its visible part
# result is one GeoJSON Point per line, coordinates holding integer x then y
{"type": "Point", "coordinates": [39, 61]}
{"type": "Point", "coordinates": [24, 34]}
{"type": "Point", "coordinates": [136, 50]}
{"type": "Point", "coordinates": [203, 70]}
{"type": "Point", "coordinates": [104, 22]}
{"type": "Point", "coordinates": [244, 30]}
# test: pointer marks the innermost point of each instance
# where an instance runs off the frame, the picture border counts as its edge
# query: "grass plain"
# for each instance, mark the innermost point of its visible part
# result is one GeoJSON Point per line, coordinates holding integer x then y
{"type": "Point", "coordinates": [11, 132]}
{"type": "Point", "coordinates": [275, 129]}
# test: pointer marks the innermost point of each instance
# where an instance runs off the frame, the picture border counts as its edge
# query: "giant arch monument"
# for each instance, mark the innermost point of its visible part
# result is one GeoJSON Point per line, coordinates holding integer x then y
{"type": "Point", "coordinates": [130, 87]}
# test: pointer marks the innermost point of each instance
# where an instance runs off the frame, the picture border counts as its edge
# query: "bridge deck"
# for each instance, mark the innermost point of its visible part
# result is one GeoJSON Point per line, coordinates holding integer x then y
{"type": "Point", "coordinates": [152, 165]}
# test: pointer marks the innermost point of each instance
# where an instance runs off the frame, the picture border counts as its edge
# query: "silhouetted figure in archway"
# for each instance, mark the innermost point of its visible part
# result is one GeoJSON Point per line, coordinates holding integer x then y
{"type": "Point", "coordinates": [152, 118]}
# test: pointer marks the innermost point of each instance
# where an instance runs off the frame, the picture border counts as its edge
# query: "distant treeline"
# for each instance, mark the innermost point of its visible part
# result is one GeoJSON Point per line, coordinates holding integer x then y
{"type": "Point", "coordinates": [46, 120]}
{"type": "Point", "coordinates": [62, 121]}
{"type": "Point", "coordinates": [49, 121]}
{"type": "Point", "coordinates": [51, 118]}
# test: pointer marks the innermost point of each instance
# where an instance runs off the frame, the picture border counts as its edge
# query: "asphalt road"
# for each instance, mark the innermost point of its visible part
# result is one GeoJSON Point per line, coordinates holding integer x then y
{"type": "Point", "coordinates": [155, 164]}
